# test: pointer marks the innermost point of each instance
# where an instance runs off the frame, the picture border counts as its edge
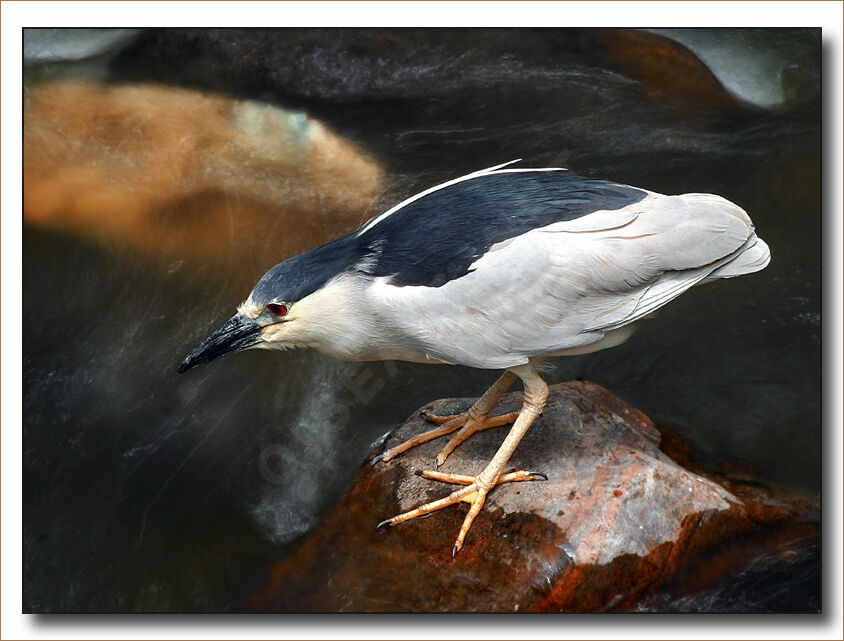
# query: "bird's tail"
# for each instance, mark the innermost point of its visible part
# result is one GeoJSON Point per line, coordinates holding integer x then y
{"type": "Point", "coordinates": [753, 257]}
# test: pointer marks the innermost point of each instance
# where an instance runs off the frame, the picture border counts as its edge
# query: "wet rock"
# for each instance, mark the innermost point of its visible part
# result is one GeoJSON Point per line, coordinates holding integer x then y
{"type": "Point", "coordinates": [190, 177]}
{"type": "Point", "coordinates": [776, 69]}
{"type": "Point", "coordinates": [617, 516]}
{"type": "Point", "coordinates": [61, 45]}
{"type": "Point", "coordinates": [664, 67]}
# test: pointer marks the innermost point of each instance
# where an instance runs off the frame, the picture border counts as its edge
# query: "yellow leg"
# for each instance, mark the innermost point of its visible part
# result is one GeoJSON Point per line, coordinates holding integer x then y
{"type": "Point", "coordinates": [536, 393]}
{"type": "Point", "coordinates": [471, 421]}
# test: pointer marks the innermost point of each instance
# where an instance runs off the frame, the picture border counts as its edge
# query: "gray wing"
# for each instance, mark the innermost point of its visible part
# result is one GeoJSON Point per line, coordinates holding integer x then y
{"type": "Point", "coordinates": [566, 285]}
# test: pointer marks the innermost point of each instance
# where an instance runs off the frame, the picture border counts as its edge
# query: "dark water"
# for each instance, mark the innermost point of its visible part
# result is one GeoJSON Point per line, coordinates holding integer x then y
{"type": "Point", "coordinates": [147, 491]}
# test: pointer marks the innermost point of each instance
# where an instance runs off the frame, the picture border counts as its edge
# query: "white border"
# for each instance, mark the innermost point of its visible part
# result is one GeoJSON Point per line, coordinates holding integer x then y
{"type": "Point", "coordinates": [652, 14]}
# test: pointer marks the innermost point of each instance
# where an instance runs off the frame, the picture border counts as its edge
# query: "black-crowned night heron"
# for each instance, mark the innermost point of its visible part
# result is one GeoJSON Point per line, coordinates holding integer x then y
{"type": "Point", "coordinates": [494, 270]}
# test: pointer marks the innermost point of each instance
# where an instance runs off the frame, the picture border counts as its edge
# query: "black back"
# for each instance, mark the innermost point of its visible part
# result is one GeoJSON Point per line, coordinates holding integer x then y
{"type": "Point", "coordinates": [437, 238]}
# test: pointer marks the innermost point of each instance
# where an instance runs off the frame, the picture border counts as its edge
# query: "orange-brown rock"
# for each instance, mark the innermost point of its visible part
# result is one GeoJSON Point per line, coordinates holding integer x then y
{"type": "Point", "coordinates": [616, 517]}
{"type": "Point", "coordinates": [185, 175]}
{"type": "Point", "coordinates": [663, 67]}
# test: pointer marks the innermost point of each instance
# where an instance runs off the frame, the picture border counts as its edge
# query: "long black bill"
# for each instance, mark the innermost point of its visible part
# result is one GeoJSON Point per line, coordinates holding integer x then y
{"type": "Point", "coordinates": [237, 333]}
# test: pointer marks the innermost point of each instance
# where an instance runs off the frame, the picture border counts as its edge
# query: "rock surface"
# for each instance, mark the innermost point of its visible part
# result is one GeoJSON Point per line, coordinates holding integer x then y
{"type": "Point", "coordinates": [617, 515]}
{"type": "Point", "coordinates": [183, 175]}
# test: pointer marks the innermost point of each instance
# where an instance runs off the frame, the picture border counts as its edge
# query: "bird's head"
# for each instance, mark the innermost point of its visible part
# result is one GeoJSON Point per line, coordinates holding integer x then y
{"type": "Point", "coordinates": [274, 316]}
{"type": "Point", "coordinates": [252, 327]}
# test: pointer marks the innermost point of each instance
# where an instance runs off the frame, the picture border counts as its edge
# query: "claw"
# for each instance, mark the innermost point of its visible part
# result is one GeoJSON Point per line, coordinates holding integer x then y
{"type": "Point", "coordinates": [377, 459]}
{"type": "Point", "coordinates": [542, 476]}
{"type": "Point", "coordinates": [474, 420]}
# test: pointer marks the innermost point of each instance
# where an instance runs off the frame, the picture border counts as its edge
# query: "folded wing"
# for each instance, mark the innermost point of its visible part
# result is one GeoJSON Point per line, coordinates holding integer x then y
{"type": "Point", "coordinates": [566, 285]}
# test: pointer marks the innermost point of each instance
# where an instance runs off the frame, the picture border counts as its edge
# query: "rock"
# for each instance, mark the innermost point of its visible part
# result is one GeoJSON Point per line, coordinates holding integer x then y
{"type": "Point", "coordinates": [183, 175]}
{"type": "Point", "coordinates": [617, 516]}
{"type": "Point", "coordinates": [346, 65]}
{"type": "Point", "coordinates": [663, 67]}
{"type": "Point", "coordinates": [598, 101]}
{"type": "Point", "coordinates": [351, 64]}
{"type": "Point", "coordinates": [775, 69]}
{"type": "Point", "coordinates": [61, 45]}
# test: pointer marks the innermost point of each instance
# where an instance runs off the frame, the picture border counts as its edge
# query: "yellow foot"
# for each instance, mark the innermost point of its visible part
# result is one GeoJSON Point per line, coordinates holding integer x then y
{"type": "Point", "coordinates": [472, 493]}
{"type": "Point", "coordinates": [465, 423]}
{"type": "Point", "coordinates": [462, 479]}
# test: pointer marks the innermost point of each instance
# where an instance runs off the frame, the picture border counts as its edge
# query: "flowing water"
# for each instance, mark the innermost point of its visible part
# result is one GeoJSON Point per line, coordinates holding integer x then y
{"type": "Point", "coordinates": [147, 491]}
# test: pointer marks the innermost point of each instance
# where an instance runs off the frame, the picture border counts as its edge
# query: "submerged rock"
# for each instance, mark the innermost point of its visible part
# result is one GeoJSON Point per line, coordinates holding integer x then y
{"type": "Point", "coordinates": [617, 516]}
{"type": "Point", "coordinates": [184, 175]}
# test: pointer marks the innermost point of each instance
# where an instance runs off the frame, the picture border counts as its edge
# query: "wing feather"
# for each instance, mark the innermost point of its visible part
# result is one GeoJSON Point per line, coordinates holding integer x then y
{"type": "Point", "coordinates": [566, 285]}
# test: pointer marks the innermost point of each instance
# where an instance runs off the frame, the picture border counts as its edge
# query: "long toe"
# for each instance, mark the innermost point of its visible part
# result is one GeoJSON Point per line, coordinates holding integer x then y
{"type": "Point", "coordinates": [440, 420]}
{"type": "Point", "coordinates": [430, 435]}
{"type": "Point", "coordinates": [433, 506]}
{"type": "Point", "coordinates": [470, 493]}
{"type": "Point", "coordinates": [477, 413]}
{"type": "Point", "coordinates": [462, 479]}
{"type": "Point", "coordinates": [477, 504]}
{"type": "Point", "coordinates": [473, 426]}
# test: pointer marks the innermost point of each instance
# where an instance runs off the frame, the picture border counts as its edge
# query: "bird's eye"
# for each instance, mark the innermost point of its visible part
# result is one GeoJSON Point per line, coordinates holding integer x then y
{"type": "Point", "coordinates": [277, 310]}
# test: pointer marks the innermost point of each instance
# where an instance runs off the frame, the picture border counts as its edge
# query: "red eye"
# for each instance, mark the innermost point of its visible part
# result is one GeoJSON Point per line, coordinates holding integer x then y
{"type": "Point", "coordinates": [278, 310]}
